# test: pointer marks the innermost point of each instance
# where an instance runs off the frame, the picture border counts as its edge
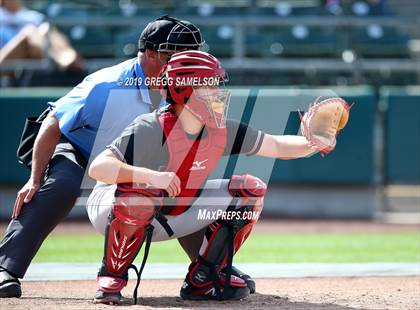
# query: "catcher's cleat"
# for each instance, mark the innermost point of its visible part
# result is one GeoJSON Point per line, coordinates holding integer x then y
{"type": "Point", "coordinates": [114, 298]}
{"type": "Point", "coordinates": [9, 285]}
{"type": "Point", "coordinates": [198, 285]}
{"type": "Point", "coordinates": [208, 292]}
{"type": "Point", "coordinates": [109, 290]}
{"type": "Point", "coordinates": [250, 282]}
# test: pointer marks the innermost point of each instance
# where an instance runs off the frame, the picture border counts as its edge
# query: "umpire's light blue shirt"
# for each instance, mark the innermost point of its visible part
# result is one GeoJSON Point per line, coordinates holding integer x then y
{"type": "Point", "coordinates": [97, 110]}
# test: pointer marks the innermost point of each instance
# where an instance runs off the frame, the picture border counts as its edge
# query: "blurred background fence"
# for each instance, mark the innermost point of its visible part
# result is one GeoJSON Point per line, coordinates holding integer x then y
{"type": "Point", "coordinates": [366, 51]}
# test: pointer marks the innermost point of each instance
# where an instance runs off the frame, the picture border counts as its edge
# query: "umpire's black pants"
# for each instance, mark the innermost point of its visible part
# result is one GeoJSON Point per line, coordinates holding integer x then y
{"type": "Point", "coordinates": [49, 206]}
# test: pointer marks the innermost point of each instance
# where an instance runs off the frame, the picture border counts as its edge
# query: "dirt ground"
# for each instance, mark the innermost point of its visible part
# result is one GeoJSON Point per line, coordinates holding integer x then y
{"type": "Point", "coordinates": [293, 293]}
{"type": "Point", "coordinates": [296, 294]}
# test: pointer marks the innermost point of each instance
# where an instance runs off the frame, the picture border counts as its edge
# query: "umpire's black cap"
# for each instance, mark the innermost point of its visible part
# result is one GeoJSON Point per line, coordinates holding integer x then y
{"type": "Point", "coordinates": [168, 34]}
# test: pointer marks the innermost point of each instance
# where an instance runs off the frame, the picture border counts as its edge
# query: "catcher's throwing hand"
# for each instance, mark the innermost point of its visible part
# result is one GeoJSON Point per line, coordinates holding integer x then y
{"type": "Point", "coordinates": [323, 121]}
{"type": "Point", "coordinates": [24, 196]}
{"type": "Point", "coordinates": [167, 181]}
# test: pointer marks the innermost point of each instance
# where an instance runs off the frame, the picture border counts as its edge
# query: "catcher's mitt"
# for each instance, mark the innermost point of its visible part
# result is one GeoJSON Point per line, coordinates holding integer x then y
{"type": "Point", "coordinates": [323, 121]}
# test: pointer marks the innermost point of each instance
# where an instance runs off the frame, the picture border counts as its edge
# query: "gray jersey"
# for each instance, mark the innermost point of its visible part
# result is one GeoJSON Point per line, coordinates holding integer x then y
{"type": "Point", "coordinates": [142, 143]}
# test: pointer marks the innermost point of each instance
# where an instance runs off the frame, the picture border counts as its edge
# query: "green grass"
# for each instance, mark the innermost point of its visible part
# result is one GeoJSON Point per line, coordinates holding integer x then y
{"type": "Point", "coordinates": [263, 248]}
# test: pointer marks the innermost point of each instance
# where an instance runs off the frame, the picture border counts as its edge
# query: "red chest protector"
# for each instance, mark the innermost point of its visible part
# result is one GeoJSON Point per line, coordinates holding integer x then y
{"type": "Point", "coordinates": [192, 161]}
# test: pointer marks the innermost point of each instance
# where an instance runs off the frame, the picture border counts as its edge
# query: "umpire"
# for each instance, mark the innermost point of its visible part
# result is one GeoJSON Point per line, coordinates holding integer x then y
{"type": "Point", "coordinates": [78, 124]}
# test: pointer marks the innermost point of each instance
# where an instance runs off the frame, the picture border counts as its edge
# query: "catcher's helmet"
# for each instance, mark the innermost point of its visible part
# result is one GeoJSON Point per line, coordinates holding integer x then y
{"type": "Point", "coordinates": [195, 79]}
{"type": "Point", "coordinates": [168, 34]}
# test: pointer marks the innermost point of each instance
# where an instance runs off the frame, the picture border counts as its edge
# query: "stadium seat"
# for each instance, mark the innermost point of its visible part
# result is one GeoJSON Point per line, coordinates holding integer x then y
{"type": "Point", "coordinates": [125, 43]}
{"type": "Point", "coordinates": [365, 8]}
{"type": "Point", "coordinates": [90, 41]}
{"type": "Point", "coordinates": [214, 8]}
{"type": "Point", "coordinates": [219, 39]}
{"type": "Point", "coordinates": [377, 41]}
{"type": "Point", "coordinates": [258, 42]}
{"type": "Point", "coordinates": [296, 41]}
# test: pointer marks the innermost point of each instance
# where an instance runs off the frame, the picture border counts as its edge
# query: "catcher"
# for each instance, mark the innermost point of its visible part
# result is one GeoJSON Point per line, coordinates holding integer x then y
{"type": "Point", "coordinates": [157, 193]}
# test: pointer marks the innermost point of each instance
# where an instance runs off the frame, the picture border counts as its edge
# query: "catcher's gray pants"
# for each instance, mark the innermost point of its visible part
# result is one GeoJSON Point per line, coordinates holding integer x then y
{"type": "Point", "coordinates": [214, 199]}
{"type": "Point", "coordinates": [48, 207]}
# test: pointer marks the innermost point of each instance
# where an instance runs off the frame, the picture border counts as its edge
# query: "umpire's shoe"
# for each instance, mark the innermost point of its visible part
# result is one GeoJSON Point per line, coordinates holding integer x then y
{"type": "Point", "coordinates": [9, 285]}
{"type": "Point", "coordinates": [250, 282]}
{"type": "Point", "coordinates": [198, 285]}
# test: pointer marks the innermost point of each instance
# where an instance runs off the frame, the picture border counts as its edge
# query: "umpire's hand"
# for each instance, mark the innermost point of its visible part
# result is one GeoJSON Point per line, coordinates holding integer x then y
{"type": "Point", "coordinates": [44, 147]}
{"type": "Point", "coordinates": [24, 196]}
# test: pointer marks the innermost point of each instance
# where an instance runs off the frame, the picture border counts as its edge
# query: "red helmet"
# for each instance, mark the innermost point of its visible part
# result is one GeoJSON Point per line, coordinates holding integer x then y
{"type": "Point", "coordinates": [194, 79]}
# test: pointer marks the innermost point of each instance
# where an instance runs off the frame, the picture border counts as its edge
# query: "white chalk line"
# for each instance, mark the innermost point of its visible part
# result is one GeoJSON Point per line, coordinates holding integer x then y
{"type": "Point", "coordinates": [87, 271]}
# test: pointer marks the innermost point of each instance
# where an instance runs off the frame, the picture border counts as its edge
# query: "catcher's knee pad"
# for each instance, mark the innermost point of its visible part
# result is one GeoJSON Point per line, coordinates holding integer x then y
{"type": "Point", "coordinates": [248, 196]}
{"type": "Point", "coordinates": [249, 192]}
{"type": "Point", "coordinates": [129, 218]}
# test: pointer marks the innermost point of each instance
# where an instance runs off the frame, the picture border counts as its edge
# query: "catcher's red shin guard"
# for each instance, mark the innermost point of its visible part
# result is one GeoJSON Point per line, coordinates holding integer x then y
{"type": "Point", "coordinates": [128, 224]}
{"type": "Point", "coordinates": [222, 240]}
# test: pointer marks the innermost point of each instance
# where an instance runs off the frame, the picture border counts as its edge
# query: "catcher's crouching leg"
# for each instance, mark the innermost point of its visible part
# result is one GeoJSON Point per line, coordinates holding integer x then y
{"type": "Point", "coordinates": [222, 240]}
{"type": "Point", "coordinates": [128, 226]}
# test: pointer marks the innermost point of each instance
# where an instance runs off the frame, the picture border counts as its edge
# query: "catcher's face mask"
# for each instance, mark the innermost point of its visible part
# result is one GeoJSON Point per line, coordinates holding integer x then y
{"type": "Point", "coordinates": [215, 101]}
